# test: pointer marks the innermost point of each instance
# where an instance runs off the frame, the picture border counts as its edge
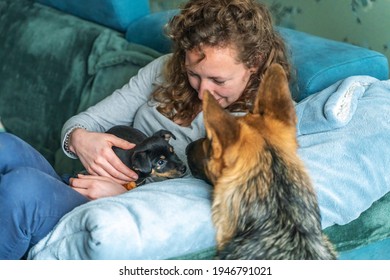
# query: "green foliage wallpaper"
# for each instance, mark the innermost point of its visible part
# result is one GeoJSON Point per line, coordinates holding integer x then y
{"type": "Point", "coordinates": [365, 23]}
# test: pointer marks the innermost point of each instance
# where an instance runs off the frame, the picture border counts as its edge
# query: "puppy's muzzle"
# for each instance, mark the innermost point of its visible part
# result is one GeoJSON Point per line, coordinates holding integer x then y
{"type": "Point", "coordinates": [196, 159]}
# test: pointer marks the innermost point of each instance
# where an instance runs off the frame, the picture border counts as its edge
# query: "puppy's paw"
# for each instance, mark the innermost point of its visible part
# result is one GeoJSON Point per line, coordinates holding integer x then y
{"type": "Point", "coordinates": [129, 186]}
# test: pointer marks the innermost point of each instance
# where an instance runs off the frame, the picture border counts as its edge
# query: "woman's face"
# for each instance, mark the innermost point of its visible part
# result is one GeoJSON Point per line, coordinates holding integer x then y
{"type": "Point", "coordinates": [219, 72]}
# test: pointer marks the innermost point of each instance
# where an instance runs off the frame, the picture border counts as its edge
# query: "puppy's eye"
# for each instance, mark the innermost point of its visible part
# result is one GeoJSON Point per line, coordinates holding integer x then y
{"type": "Point", "coordinates": [161, 162]}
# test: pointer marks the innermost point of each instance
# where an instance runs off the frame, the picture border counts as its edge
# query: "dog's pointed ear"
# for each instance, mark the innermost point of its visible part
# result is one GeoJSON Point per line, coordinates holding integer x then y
{"type": "Point", "coordinates": [141, 162]}
{"type": "Point", "coordinates": [222, 128]}
{"type": "Point", "coordinates": [274, 96]}
{"type": "Point", "coordinates": [166, 134]}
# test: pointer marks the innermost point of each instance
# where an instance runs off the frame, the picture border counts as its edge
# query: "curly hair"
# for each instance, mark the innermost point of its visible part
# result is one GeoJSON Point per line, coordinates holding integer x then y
{"type": "Point", "coordinates": [244, 24]}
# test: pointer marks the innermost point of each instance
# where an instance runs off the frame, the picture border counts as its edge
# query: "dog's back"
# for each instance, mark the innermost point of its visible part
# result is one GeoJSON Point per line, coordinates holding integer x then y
{"type": "Point", "coordinates": [264, 206]}
{"type": "Point", "coordinates": [283, 224]}
{"type": "Point", "coordinates": [129, 134]}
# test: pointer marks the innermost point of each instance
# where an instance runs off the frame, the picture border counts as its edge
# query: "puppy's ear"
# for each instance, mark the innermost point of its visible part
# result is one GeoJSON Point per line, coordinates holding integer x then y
{"type": "Point", "coordinates": [141, 162]}
{"type": "Point", "coordinates": [166, 134]}
{"type": "Point", "coordinates": [274, 97]}
{"type": "Point", "coordinates": [222, 128]}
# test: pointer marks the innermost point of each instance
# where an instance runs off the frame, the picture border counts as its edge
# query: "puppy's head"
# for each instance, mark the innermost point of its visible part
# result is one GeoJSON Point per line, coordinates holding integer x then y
{"type": "Point", "coordinates": [234, 144]}
{"type": "Point", "coordinates": [156, 157]}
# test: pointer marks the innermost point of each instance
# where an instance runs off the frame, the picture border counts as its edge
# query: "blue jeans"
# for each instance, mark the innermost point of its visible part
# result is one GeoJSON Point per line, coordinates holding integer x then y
{"type": "Point", "coordinates": [33, 198]}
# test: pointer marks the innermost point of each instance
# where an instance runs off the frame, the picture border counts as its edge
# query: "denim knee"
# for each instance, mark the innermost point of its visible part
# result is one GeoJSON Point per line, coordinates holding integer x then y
{"type": "Point", "coordinates": [8, 143]}
{"type": "Point", "coordinates": [17, 153]}
{"type": "Point", "coordinates": [31, 203]}
{"type": "Point", "coordinates": [32, 190]}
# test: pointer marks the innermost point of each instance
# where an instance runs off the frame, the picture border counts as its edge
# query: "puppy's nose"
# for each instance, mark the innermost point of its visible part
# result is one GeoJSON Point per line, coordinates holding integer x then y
{"type": "Point", "coordinates": [187, 148]}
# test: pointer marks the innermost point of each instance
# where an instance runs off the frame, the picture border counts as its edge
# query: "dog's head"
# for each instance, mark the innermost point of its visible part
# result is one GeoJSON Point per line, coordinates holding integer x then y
{"type": "Point", "coordinates": [232, 144]}
{"type": "Point", "coordinates": [156, 157]}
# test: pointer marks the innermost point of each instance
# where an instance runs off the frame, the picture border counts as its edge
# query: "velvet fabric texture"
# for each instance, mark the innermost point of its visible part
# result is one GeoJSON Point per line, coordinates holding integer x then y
{"type": "Point", "coordinates": [116, 14]}
{"type": "Point", "coordinates": [54, 65]}
{"type": "Point", "coordinates": [320, 62]}
{"type": "Point", "coordinates": [372, 226]}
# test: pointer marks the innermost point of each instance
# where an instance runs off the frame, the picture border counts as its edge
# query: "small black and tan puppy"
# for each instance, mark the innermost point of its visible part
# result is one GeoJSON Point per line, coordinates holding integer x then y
{"type": "Point", "coordinates": [151, 157]}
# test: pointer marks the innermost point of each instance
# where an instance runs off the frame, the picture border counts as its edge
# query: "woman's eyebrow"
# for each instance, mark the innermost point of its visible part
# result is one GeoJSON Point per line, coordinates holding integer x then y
{"type": "Point", "coordinates": [209, 77]}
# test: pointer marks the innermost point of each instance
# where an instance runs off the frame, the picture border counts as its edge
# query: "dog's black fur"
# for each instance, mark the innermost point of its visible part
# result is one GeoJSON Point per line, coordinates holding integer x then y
{"type": "Point", "coordinates": [152, 156]}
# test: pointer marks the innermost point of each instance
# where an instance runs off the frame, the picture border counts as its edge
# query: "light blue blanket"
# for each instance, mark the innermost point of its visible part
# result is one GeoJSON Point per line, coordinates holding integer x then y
{"type": "Point", "coordinates": [344, 137]}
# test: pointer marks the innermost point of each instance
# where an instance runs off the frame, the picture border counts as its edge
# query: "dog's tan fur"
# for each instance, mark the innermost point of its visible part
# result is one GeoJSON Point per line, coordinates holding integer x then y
{"type": "Point", "coordinates": [264, 206]}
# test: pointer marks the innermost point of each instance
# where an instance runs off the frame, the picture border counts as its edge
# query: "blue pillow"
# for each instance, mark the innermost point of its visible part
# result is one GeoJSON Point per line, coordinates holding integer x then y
{"type": "Point", "coordinates": [116, 14]}
{"type": "Point", "coordinates": [320, 62]}
{"type": "Point", "coordinates": [149, 31]}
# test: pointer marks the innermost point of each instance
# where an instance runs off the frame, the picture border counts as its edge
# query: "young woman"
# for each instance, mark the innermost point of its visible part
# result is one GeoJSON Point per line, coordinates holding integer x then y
{"type": "Point", "coordinates": [223, 46]}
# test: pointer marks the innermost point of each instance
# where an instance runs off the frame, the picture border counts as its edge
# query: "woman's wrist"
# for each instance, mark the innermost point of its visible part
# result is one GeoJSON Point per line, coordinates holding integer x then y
{"type": "Point", "coordinates": [69, 140]}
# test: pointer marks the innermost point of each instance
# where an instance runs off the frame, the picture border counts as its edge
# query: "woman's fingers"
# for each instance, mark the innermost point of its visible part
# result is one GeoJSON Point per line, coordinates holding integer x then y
{"type": "Point", "coordinates": [95, 187]}
{"type": "Point", "coordinates": [116, 167]}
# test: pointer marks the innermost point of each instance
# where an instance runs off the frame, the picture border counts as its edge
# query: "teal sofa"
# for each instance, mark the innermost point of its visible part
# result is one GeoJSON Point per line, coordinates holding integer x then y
{"type": "Point", "coordinates": [57, 58]}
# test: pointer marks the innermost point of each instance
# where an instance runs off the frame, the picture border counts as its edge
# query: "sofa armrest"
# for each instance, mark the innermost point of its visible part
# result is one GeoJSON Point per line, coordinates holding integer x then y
{"type": "Point", "coordinates": [318, 62]}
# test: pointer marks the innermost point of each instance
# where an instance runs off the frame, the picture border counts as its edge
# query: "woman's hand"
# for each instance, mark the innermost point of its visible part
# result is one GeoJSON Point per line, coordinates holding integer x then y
{"type": "Point", "coordinates": [95, 153]}
{"type": "Point", "coordinates": [94, 187]}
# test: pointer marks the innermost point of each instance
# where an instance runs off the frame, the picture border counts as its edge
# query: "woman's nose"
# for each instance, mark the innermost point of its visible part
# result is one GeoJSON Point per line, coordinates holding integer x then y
{"type": "Point", "coordinates": [203, 86]}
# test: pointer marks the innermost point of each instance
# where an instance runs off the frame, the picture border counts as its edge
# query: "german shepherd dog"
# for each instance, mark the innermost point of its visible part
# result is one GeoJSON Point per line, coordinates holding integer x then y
{"type": "Point", "coordinates": [264, 205]}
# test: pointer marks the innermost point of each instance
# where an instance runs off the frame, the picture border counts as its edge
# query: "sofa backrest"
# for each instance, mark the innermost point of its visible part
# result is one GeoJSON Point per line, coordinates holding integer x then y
{"type": "Point", "coordinates": [116, 14]}
{"type": "Point", "coordinates": [318, 62]}
{"type": "Point", "coordinates": [54, 65]}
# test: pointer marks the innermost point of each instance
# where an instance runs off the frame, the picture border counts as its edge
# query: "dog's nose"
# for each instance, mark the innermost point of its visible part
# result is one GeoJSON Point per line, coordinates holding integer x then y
{"type": "Point", "coordinates": [187, 148]}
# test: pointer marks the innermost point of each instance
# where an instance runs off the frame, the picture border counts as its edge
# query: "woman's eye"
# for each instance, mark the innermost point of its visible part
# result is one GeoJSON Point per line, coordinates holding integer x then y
{"type": "Point", "coordinates": [191, 74]}
{"type": "Point", "coordinates": [220, 83]}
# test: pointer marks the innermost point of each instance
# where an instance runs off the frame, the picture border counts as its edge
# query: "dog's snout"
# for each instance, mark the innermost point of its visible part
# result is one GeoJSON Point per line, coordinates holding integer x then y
{"type": "Point", "coordinates": [188, 148]}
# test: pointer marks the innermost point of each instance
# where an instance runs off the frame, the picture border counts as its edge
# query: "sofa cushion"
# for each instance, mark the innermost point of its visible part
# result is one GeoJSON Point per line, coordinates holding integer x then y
{"type": "Point", "coordinates": [371, 226]}
{"type": "Point", "coordinates": [155, 37]}
{"type": "Point", "coordinates": [318, 62]}
{"type": "Point", "coordinates": [116, 14]}
{"type": "Point", "coordinates": [54, 65]}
